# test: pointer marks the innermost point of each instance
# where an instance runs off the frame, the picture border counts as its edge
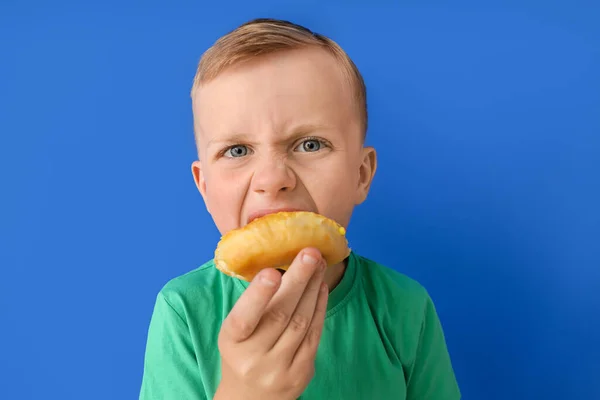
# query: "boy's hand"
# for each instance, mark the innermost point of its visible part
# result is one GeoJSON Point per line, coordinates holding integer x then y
{"type": "Point", "coordinates": [269, 340]}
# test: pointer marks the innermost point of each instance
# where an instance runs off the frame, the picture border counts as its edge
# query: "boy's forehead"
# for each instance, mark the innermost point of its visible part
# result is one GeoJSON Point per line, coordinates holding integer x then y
{"type": "Point", "coordinates": [292, 91]}
{"type": "Point", "coordinates": [290, 72]}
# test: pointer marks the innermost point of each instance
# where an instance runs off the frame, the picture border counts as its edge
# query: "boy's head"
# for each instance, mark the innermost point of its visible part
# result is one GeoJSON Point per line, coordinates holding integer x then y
{"type": "Point", "coordinates": [280, 120]}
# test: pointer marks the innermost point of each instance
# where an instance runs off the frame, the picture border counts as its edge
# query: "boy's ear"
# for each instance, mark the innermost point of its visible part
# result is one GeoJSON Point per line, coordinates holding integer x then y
{"type": "Point", "coordinates": [199, 180]}
{"type": "Point", "coordinates": [367, 170]}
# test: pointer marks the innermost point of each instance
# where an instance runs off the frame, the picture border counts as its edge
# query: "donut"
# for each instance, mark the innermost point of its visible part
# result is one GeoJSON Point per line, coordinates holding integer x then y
{"type": "Point", "coordinates": [274, 240]}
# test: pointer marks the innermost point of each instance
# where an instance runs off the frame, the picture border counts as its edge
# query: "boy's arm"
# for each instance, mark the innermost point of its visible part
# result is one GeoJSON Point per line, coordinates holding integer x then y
{"type": "Point", "coordinates": [170, 368]}
{"type": "Point", "coordinates": [431, 376]}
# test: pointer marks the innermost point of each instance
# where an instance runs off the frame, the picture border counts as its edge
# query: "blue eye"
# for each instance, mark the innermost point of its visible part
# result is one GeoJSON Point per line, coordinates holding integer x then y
{"type": "Point", "coordinates": [311, 145]}
{"type": "Point", "coordinates": [236, 151]}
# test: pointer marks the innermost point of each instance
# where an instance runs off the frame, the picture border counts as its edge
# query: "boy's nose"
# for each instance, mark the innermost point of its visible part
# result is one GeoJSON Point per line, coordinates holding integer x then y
{"type": "Point", "coordinates": [272, 177]}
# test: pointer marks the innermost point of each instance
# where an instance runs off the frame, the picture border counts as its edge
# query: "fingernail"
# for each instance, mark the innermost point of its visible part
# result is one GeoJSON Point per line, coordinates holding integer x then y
{"type": "Point", "coordinates": [266, 280]}
{"type": "Point", "coordinates": [308, 259]}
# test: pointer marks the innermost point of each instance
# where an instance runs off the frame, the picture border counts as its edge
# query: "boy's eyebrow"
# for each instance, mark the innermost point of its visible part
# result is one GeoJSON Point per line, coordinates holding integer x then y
{"type": "Point", "coordinates": [239, 137]}
{"type": "Point", "coordinates": [304, 129]}
{"type": "Point", "coordinates": [230, 139]}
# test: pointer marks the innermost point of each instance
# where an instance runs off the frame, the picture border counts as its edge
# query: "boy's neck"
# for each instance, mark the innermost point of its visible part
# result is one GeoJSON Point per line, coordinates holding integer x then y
{"type": "Point", "coordinates": [334, 275]}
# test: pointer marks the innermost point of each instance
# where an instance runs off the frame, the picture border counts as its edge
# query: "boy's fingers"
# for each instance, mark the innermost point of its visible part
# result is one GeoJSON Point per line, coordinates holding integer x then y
{"type": "Point", "coordinates": [293, 284]}
{"type": "Point", "coordinates": [308, 348]}
{"type": "Point", "coordinates": [302, 318]}
{"type": "Point", "coordinates": [248, 310]}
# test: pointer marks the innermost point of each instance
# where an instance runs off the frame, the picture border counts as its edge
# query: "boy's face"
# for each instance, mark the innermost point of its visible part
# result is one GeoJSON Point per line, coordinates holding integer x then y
{"type": "Point", "coordinates": [280, 132]}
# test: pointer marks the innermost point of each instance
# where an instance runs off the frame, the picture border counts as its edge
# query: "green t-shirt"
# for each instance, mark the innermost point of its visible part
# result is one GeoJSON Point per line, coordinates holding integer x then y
{"type": "Point", "coordinates": [382, 338]}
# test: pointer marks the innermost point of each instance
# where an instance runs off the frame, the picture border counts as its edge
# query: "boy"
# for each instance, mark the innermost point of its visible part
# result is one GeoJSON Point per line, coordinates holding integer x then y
{"type": "Point", "coordinates": [280, 120]}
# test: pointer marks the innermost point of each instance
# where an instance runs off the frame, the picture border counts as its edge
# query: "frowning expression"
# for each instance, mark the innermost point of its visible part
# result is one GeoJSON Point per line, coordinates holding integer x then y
{"type": "Point", "coordinates": [280, 132]}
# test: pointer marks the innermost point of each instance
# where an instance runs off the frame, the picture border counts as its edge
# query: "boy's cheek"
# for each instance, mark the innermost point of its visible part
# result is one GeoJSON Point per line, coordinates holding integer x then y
{"type": "Point", "coordinates": [224, 199]}
{"type": "Point", "coordinates": [224, 214]}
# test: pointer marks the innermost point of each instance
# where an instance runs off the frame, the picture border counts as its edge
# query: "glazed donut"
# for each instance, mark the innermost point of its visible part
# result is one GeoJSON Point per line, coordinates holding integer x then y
{"type": "Point", "coordinates": [274, 240]}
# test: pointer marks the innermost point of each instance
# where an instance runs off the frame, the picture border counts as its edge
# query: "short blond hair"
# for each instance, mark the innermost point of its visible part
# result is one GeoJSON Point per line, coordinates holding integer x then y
{"type": "Point", "coordinates": [264, 36]}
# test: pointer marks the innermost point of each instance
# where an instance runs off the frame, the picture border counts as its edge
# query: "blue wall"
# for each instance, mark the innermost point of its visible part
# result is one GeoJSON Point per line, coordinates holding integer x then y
{"type": "Point", "coordinates": [487, 121]}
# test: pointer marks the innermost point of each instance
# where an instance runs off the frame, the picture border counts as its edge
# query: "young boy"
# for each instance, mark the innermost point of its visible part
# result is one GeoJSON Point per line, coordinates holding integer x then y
{"type": "Point", "coordinates": [280, 120]}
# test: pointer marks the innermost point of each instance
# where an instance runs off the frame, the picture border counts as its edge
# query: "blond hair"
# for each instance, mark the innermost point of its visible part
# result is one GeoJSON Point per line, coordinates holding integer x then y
{"type": "Point", "coordinates": [264, 36]}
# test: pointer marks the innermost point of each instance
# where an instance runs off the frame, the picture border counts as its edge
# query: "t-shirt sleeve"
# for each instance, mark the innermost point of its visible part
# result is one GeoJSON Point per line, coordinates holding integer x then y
{"type": "Point", "coordinates": [431, 377]}
{"type": "Point", "coordinates": [170, 368]}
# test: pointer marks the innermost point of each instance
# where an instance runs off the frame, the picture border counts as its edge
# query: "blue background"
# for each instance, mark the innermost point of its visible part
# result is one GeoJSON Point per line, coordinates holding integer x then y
{"type": "Point", "coordinates": [487, 122]}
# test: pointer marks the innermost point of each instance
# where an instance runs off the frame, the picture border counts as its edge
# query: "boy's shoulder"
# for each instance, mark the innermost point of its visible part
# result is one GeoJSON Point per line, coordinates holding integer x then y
{"type": "Point", "coordinates": [394, 297]}
{"type": "Point", "coordinates": [385, 280]}
{"type": "Point", "coordinates": [199, 290]}
{"type": "Point", "coordinates": [199, 277]}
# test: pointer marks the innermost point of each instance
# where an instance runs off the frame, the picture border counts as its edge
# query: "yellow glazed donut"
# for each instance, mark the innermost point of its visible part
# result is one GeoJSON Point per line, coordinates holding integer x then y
{"type": "Point", "coordinates": [274, 240]}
